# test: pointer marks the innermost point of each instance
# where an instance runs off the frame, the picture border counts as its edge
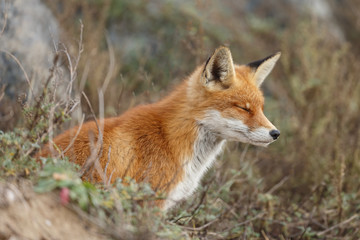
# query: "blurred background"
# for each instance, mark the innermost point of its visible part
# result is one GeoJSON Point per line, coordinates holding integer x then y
{"type": "Point", "coordinates": [142, 49]}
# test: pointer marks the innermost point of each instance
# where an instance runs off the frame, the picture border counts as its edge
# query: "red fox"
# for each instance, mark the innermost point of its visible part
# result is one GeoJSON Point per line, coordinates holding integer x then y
{"type": "Point", "coordinates": [172, 143]}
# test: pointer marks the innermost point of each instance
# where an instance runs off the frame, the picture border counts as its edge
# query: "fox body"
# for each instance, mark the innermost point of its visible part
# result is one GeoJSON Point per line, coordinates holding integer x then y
{"type": "Point", "coordinates": [173, 142]}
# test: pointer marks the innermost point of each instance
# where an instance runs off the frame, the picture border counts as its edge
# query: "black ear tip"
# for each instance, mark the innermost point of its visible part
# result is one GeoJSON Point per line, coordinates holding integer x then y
{"type": "Point", "coordinates": [256, 64]}
{"type": "Point", "coordinates": [207, 61]}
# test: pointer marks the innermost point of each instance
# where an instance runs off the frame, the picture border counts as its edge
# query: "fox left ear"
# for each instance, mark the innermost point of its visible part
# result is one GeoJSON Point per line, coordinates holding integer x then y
{"type": "Point", "coordinates": [219, 70]}
{"type": "Point", "coordinates": [263, 67]}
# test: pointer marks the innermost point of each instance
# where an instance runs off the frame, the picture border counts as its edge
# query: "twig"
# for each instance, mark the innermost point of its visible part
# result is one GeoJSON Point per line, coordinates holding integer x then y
{"type": "Point", "coordinates": [203, 195]}
{"type": "Point", "coordinates": [218, 236]}
{"type": "Point", "coordinates": [92, 112]}
{"type": "Point", "coordinates": [51, 126]}
{"type": "Point", "coordinates": [80, 46]}
{"type": "Point", "coordinates": [339, 187]}
{"type": "Point", "coordinates": [2, 92]}
{"type": "Point", "coordinates": [84, 76]}
{"type": "Point", "coordinates": [98, 146]}
{"type": "Point", "coordinates": [308, 223]}
{"type": "Point", "coordinates": [21, 67]}
{"type": "Point", "coordinates": [76, 135]}
{"type": "Point", "coordinates": [250, 220]}
{"type": "Point", "coordinates": [5, 20]}
{"type": "Point", "coordinates": [278, 185]}
{"type": "Point", "coordinates": [93, 159]}
{"type": "Point", "coordinates": [243, 153]}
{"type": "Point", "coordinates": [109, 181]}
{"type": "Point", "coordinates": [264, 235]}
{"type": "Point", "coordinates": [73, 67]}
{"type": "Point", "coordinates": [107, 164]}
{"type": "Point", "coordinates": [197, 228]}
{"type": "Point", "coordinates": [111, 65]}
{"type": "Point", "coordinates": [338, 225]}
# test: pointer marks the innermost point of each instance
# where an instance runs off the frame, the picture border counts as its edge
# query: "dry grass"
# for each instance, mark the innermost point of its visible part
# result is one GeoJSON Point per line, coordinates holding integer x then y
{"type": "Point", "coordinates": [305, 185]}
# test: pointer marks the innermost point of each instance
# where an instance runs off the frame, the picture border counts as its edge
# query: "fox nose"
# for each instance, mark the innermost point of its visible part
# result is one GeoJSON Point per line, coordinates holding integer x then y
{"type": "Point", "coordinates": [274, 133]}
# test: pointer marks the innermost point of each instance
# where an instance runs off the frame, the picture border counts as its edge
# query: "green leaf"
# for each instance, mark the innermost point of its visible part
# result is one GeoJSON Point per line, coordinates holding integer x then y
{"type": "Point", "coordinates": [45, 185]}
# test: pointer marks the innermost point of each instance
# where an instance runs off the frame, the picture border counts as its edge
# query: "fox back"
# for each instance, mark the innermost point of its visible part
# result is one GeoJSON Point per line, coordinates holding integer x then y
{"type": "Point", "coordinates": [173, 142]}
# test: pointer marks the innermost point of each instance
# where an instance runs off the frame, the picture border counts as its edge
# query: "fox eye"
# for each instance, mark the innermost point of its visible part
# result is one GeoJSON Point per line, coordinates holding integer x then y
{"type": "Point", "coordinates": [244, 108]}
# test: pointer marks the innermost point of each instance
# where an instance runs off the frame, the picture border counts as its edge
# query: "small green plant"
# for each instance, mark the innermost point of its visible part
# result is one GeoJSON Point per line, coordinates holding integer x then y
{"type": "Point", "coordinates": [15, 149]}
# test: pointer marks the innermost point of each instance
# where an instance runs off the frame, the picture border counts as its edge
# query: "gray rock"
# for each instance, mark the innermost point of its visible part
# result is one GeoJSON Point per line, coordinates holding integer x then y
{"type": "Point", "coordinates": [29, 34]}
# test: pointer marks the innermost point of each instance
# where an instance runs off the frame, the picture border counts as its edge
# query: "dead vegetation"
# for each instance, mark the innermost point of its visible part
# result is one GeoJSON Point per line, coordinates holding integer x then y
{"type": "Point", "coordinates": [305, 186]}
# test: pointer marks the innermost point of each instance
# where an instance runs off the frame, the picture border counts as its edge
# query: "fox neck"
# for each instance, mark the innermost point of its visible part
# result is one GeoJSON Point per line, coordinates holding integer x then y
{"type": "Point", "coordinates": [205, 149]}
{"type": "Point", "coordinates": [202, 145]}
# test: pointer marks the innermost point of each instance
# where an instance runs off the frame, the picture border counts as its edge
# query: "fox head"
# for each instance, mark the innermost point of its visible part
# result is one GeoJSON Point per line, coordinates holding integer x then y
{"type": "Point", "coordinates": [231, 101]}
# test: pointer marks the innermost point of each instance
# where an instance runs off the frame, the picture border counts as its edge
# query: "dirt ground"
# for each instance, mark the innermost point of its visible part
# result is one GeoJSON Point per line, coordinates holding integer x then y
{"type": "Point", "coordinates": [25, 214]}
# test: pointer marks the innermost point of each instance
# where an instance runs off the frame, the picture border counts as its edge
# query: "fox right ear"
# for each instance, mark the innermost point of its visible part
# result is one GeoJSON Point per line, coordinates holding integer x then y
{"type": "Point", "coordinates": [219, 70]}
{"type": "Point", "coordinates": [263, 67]}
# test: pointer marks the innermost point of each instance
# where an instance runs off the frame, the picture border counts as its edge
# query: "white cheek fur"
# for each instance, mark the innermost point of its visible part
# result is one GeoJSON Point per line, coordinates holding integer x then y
{"type": "Point", "coordinates": [235, 129]}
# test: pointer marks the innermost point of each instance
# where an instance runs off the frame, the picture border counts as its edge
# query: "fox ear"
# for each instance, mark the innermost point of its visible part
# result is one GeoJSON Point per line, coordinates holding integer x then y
{"type": "Point", "coordinates": [263, 67]}
{"type": "Point", "coordinates": [219, 70]}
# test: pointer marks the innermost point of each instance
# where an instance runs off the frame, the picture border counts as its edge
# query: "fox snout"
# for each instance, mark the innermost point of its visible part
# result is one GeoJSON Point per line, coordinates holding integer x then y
{"type": "Point", "coordinates": [274, 134]}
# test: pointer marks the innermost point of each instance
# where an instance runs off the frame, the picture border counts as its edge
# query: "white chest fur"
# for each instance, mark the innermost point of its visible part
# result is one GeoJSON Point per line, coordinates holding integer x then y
{"type": "Point", "coordinates": [206, 147]}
